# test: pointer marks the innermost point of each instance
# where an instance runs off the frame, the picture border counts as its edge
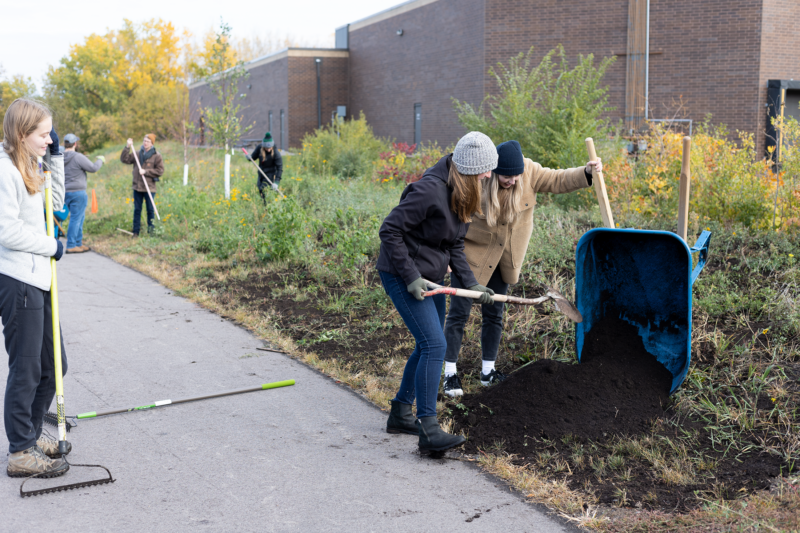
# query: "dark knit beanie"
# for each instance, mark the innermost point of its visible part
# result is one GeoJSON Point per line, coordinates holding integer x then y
{"type": "Point", "coordinates": [268, 142]}
{"type": "Point", "coordinates": [509, 159]}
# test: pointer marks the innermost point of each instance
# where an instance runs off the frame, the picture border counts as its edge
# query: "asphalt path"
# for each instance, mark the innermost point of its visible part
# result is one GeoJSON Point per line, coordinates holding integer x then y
{"type": "Point", "coordinates": [310, 457]}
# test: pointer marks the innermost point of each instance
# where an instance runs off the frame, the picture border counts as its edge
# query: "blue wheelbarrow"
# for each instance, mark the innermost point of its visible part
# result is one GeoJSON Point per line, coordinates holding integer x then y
{"type": "Point", "coordinates": [645, 278]}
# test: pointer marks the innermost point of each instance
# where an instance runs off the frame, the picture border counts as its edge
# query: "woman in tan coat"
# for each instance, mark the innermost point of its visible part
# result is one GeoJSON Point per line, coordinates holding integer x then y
{"type": "Point", "coordinates": [495, 247]}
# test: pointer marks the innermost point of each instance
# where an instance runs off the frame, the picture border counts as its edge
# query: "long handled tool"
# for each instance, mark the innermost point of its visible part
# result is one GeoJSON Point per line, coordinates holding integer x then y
{"type": "Point", "coordinates": [683, 199]}
{"type": "Point", "coordinates": [49, 418]}
{"type": "Point", "coordinates": [258, 167]}
{"type": "Point", "coordinates": [600, 187]}
{"type": "Point", "coordinates": [562, 304]}
{"type": "Point", "coordinates": [62, 427]}
{"type": "Point", "coordinates": [60, 417]}
{"type": "Point", "coordinates": [146, 187]}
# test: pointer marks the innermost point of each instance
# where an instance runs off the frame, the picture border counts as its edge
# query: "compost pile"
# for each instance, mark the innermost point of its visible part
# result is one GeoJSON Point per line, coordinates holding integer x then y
{"type": "Point", "coordinates": [618, 389]}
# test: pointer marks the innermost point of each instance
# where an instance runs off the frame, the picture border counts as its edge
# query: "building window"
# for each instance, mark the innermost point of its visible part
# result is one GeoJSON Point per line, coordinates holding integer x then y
{"type": "Point", "coordinates": [417, 123]}
{"type": "Point", "coordinates": [269, 122]}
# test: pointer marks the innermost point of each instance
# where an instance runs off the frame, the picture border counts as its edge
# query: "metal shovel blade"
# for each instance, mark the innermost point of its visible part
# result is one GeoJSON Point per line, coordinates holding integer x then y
{"type": "Point", "coordinates": [564, 305]}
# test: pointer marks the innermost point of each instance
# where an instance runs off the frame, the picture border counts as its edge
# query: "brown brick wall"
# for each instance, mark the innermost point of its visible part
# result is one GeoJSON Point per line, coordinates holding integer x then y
{"type": "Point", "coordinates": [710, 60]}
{"type": "Point", "coordinates": [596, 27]}
{"type": "Point", "coordinates": [704, 53]}
{"type": "Point", "coordinates": [780, 52]}
{"type": "Point", "coordinates": [268, 92]}
{"type": "Point", "coordinates": [303, 91]}
{"type": "Point", "coordinates": [439, 56]}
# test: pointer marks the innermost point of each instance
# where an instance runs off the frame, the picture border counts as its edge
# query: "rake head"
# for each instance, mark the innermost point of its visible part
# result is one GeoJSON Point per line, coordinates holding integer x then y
{"type": "Point", "coordinates": [52, 419]}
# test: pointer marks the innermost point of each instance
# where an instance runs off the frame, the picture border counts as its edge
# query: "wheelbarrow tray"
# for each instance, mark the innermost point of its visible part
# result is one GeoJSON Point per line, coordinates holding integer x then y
{"type": "Point", "coordinates": [645, 278]}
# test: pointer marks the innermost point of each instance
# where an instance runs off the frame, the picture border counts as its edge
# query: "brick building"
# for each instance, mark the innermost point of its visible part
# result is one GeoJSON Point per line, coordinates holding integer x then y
{"type": "Point", "coordinates": [403, 66]}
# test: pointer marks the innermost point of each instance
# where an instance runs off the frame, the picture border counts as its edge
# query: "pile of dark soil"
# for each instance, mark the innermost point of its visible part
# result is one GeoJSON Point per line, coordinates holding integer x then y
{"type": "Point", "coordinates": [618, 389]}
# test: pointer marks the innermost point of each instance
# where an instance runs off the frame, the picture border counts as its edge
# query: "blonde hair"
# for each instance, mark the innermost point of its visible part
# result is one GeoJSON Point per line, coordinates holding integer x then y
{"type": "Point", "coordinates": [500, 204]}
{"type": "Point", "coordinates": [466, 198]}
{"type": "Point", "coordinates": [22, 118]}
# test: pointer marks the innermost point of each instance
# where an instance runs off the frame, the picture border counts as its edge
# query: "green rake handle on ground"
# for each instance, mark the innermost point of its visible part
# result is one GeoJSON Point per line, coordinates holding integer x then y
{"type": "Point", "coordinates": [265, 386]}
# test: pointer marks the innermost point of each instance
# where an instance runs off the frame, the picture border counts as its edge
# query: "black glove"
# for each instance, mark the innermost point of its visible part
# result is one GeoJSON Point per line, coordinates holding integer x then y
{"type": "Point", "coordinates": [59, 250]}
{"type": "Point", "coordinates": [417, 287]}
{"type": "Point", "coordinates": [55, 149]}
{"type": "Point", "coordinates": [486, 297]}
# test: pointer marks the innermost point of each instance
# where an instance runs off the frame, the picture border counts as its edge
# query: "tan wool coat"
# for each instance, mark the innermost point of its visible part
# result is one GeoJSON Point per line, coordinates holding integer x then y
{"type": "Point", "coordinates": [504, 246]}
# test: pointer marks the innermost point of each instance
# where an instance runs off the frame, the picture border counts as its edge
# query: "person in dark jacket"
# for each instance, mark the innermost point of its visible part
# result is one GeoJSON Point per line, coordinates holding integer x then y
{"type": "Point", "coordinates": [153, 167]}
{"type": "Point", "coordinates": [420, 238]}
{"type": "Point", "coordinates": [270, 162]}
{"type": "Point", "coordinates": [76, 165]}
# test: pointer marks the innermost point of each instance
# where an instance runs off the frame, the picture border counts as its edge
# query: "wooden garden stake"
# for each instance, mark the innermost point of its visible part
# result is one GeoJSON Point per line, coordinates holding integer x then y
{"type": "Point", "coordinates": [686, 177]}
{"type": "Point", "coordinates": [600, 187]}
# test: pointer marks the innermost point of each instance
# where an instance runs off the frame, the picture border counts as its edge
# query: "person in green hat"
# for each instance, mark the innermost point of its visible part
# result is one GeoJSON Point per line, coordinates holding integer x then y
{"type": "Point", "coordinates": [270, 162]}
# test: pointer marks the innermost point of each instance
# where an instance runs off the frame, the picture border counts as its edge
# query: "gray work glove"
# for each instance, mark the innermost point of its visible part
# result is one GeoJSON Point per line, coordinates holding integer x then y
{"type": "Point", "coordinates": [486, 297]}
{"type": "Point", "coordinates": [417, 287]}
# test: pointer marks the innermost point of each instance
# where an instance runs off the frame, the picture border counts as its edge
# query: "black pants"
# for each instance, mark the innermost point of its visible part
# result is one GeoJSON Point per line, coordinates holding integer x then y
{"type": "Point", "coordinates": [138, 198]}
{"type": "Point", "coordinates": [262, 183]}
{"type": "Point", "coordinates": [31, 385]}
{"type": "Point", "coordinates": [491, 327]}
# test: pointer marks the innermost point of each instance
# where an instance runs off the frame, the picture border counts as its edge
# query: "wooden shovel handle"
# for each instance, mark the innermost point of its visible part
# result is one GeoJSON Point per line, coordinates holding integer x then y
{"type": "Point", "coordinates": [686, 178]}
{"type": "Point", "coordinates": [465, 293]}
{"type": "Point", "coordinates": [600, 187]}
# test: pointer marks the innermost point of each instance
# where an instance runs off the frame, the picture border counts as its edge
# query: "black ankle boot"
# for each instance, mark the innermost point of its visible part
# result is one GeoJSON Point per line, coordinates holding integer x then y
{"type": "Point", "coordinates": [433, 439]}
{"type": "Point", "coordinates": [400, 419]}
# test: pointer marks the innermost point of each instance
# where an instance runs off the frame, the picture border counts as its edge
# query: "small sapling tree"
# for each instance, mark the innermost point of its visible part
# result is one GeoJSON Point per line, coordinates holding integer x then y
{"type": "Point", "coordinates": [223, 73]}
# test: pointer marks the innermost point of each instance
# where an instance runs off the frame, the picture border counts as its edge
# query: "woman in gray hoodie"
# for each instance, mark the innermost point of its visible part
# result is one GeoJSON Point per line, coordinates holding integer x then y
{"type": "Point", "coordinates": [25, 276]}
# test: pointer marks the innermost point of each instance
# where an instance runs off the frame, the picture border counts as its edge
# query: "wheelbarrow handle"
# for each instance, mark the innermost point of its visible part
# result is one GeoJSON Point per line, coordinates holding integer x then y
{"type": "Point", "coordinates": [701, 247]}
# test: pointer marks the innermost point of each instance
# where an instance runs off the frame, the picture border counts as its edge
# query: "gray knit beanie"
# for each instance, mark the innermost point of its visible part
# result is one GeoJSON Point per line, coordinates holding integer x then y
{"type": "Point", "coordinates": [475, 154]}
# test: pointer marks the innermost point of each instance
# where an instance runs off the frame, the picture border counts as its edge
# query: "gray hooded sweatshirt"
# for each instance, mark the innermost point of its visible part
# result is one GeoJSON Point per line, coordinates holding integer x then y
{"type": "Point", "coordinates": [75, 168]}
{"type": "Point", "coordinates": [25, 248]}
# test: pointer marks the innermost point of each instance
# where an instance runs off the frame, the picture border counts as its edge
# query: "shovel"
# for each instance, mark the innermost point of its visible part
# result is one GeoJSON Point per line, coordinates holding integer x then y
{"type": "Point", "coordinates": [562, 304]}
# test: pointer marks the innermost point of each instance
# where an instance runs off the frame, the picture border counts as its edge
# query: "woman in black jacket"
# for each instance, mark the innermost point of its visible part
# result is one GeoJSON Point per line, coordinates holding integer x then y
{"type": "Point", "coordinates": [419, 239]}
{"type": "Point", "coordinates": [271, 163]}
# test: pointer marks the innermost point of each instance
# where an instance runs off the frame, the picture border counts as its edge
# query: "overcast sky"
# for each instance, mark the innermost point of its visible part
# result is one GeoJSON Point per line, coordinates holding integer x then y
{"type": "Point", "coordinates": [33, 39]}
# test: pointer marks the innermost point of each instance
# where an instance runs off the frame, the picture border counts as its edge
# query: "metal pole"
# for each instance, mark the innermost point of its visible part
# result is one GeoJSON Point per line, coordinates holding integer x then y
{"type": "Point", "coordinates": [647, 67]}
{"type": "Point", "coordinates": [319, 95]}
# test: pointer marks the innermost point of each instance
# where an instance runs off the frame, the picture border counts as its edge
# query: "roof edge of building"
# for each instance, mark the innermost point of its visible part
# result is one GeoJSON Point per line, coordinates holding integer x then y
{"type": "Point", "coordinates": [286, 52]}
{"type": "Point", "coordinates": [389, 13]}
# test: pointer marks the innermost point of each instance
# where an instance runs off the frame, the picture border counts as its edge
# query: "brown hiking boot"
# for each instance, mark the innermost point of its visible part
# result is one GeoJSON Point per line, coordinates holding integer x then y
{"type": "Point", "coordinates": [34, 461]}
{"type": "Point", "coordinates": [85, 248]}
{"type": "Point", "coordinates": [75, 250]}
{"type": "Point", "coordinates": [49, 446]}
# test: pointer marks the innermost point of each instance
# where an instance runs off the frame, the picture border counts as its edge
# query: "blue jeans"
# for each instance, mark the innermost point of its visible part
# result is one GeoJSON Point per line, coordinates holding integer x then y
{"type": "Point", "coordinates": [138, 198]}
{"type": "Point", "coordinates": [491, 327]}
{"type": "Point", "coordinates": [76, 202]}
{"type": "Point", "coordinates": [425, 321]}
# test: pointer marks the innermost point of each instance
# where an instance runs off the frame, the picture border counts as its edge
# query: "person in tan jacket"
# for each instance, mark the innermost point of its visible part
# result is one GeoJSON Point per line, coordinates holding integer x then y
{"type": "Point", "coordinates": [495, 247]}
{"type": "Point", "coordinates": [153, 168]}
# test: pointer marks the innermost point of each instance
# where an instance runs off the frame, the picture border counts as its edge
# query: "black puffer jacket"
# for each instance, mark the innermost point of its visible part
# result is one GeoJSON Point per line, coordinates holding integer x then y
{"type": "Point", "coordinates": [422, 235]}
{"type": "Point", "coordinates": [271, 164]}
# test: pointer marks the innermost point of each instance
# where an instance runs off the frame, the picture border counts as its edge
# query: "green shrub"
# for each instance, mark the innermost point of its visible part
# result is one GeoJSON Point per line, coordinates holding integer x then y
{"type": "Point", "coordinates": [550, 109]}
{"type": "Point", "coordinates": [284, 230]}
{"type": "Point", "coordinates": [354, 238]}
{"type": "Point", "coordinates": [346, 148]}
